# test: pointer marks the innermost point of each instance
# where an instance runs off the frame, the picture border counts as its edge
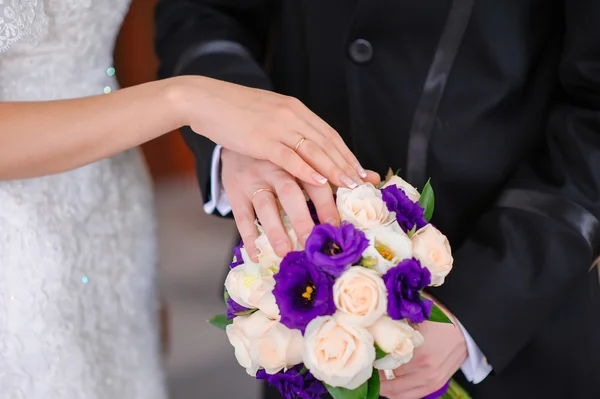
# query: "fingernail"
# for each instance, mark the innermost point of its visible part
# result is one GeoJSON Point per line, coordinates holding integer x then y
{"type": "Point", "coordinates": [360, 170]}
{"type": "Point", "coordinates": [348, 181]}
{"type": "Point", "coordinates": [319, 179]}
{"type": "Point", "coordinates": [358, 181]}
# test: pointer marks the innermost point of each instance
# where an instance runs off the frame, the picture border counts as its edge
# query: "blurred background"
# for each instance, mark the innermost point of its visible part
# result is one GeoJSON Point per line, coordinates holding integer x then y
{"type": "Point", "coordinates": [194, 248]}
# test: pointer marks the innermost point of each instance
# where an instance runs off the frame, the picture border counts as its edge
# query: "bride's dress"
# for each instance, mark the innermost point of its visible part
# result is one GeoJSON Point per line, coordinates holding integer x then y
{"type": "Point", "coordinates": [77, 250]}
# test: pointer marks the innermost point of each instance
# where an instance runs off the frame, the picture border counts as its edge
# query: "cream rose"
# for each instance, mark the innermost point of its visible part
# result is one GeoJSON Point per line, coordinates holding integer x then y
{"type": "Point", "coordinates": [396, 338]}
{"type": "Point", "coordinates": [249, 287]}
{"type": "Point", "coordinates": [433, 250]}
{"type": "Point", "coordinates": [360, 296]}
{"type": "Point", "coordinates": [403, 185]}
{"type": "Point", "coordinates": [363, 207]}
{"type": "Point", "coordinates": [388, 245]}
{"type": "Point", "coordinates": [337, 353]}
{"type": "Point", "coordinates": [260, 342]}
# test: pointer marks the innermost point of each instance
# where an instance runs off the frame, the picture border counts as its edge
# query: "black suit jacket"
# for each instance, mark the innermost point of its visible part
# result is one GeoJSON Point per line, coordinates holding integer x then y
{"type": "Point", "coordinates": [497, 101]}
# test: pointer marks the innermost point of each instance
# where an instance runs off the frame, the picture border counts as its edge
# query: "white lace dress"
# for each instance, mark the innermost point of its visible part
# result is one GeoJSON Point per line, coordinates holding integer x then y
{"type": "Point", "coordinates": [78, 311]}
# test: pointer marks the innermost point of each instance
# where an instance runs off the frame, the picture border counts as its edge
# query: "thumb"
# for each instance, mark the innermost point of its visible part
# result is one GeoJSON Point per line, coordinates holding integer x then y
{"type": "Point", "coordinates": [373, 178]}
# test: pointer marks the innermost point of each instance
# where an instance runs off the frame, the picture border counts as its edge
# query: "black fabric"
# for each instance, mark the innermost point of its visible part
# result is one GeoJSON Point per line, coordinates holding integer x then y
{"type": "Point", "coordinates": [519, 110]}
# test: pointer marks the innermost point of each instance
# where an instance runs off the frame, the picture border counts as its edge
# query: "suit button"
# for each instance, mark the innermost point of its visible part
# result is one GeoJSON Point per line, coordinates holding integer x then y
{"type": "Point", "coordinates": [361, 51]}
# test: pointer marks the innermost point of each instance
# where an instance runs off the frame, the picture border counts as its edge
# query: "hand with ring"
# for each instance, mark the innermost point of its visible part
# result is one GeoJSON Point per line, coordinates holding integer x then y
{"type": "Point", "coordinates": [269, 126]}
{"type": "Point", "coordinates": [253, 188]}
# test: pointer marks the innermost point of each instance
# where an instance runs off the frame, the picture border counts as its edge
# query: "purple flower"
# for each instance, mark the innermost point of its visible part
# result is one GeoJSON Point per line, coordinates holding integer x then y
{"type": "Point", "coordinates": [408, 213]}
{"type": "Point", "coordinates": [333, 249]}
{"type": "Point", "coordinates": [439, 393]}
{"type": "Point", "coordinates": [233, 307]}
{"type": "Point", "coordinates": [237, 256]}
{"type": "Point", "coordinates": [404, 284]}
{"type": "Point", "coordinates": [302, 291]}
{"type": "Point", "coordinates": [293, 384]}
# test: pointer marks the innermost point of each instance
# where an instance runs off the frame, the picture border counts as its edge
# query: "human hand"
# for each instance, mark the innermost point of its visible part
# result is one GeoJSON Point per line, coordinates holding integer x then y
{"type": "Point", "coordinates": [268, 126]}
{"type": "Point", "coordinates": [243, 176]}
{"type": "Point", "coordinates": [433, 364]}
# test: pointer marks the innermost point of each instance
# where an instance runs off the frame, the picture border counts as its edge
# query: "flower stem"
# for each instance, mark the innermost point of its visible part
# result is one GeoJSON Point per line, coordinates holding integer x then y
{"type": "Point", "coordinates": [455, 391]}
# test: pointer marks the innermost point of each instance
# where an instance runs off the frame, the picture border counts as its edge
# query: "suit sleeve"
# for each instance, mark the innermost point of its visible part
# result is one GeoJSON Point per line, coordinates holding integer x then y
{"type": "Point", "coordinates": [221, 39]}
{"type": "Point", "coordinates": [529, 252]}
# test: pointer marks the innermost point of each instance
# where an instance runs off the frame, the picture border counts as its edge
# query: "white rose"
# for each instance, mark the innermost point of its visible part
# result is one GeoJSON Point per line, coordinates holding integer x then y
{"type": "Point", "coordinates": [403, 185]}
{"type": "Point", "coordinates": [363, 207]}
{"type": "Point", "coordinates": [433, 250]}
{"type": "Point", "coordinates": [396, 338]}
{"type": "Point", "coordinates": [260, 342]}
{"type": "Point", "coordinates": [388, 246]}
{"type": "Point", "coordinates": [360, 296]}
{"type": "Point", "coordinates": [337, 353]}
{"type": "Point", "coordinates": [267, 258]}
{"type": "Point", "coordinates": [249, 287]}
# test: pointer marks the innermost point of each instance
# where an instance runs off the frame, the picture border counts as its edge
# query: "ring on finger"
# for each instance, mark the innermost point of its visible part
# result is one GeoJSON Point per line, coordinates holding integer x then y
{"type": "Point", "coordinates": [389, 374]}
{"type": "Point", "coordinates": [299, 144]}
{"type": "Point", "coordinates": [261, 190]}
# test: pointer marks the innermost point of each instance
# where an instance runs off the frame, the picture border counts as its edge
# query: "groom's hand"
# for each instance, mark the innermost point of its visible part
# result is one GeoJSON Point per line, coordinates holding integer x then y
{"type": "Point", "coordinates": [433, 363]}
{"type": "Point", "coordinates": [253, 186]}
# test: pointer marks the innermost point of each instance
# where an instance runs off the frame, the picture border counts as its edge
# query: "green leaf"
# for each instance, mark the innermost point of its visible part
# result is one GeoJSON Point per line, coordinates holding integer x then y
{"type": "Point", "coordinates": [412, 231]}
{"type": "Point", "coordinates": [389, 175]}
{"type": "Point", "coordinates": [225, 296]}
{"type": "Point", "coordinates": [379, 353]}
{"type": "Point", "coordinates": [343, 393]}
{"type": "Point", "coordinates": [438, 315]}
{"type": "Point", "coordinates": [303, 371]}
{"type": "Point", "coordinates": [246, 312]}
{"type": "Point", "coordinates": [220, 321]}
{"type": "Point", "coordinates": [374, 386]}
{"type": "Point", "coordinates": [427, 201]}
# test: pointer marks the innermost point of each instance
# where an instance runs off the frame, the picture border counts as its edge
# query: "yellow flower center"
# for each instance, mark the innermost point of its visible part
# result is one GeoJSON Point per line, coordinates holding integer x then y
{"type": "Point", "coordinates": [308, 294]}
{"type": "Point", "coordinates": [334, 249]}
{"type": "Point", "coordinates": [385, 252]}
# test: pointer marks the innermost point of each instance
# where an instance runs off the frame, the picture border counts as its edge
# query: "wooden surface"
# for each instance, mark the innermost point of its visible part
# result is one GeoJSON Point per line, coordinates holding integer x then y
{"type": "Point", "coordinates": [135, 63]}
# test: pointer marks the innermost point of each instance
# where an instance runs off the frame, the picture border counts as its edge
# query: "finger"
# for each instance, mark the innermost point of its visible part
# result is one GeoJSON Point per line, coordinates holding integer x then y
{"type": "Point", "coordinates": [294, 204]}
{"type": "Point", "coordinates": [289, 160]}
{"type": "Point", "coordinates": [322, 198]}
{"type": "Point", "coordinates": [329, 162]}
{"type": "Point", "coordinates": [373, 178]}
{"type": "Point", "coordinates": [267, 211]}
{"type": "Point", "coordinates": [331, 136]}
{"type": "Point", "coordinates": [243, 213]}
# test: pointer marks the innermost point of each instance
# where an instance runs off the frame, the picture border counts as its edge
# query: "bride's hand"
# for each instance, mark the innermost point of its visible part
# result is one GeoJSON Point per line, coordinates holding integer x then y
{"type": "Point", "coordinates": [267, 126]}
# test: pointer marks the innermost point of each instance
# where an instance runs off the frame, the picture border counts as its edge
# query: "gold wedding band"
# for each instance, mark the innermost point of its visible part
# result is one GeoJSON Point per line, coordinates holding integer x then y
{"type": "Point", "coordinates": [299, 144]}
{"type": "Point", "coordinates": [389, 374]}
{"type": "Point", "coordinates": [262, 189]}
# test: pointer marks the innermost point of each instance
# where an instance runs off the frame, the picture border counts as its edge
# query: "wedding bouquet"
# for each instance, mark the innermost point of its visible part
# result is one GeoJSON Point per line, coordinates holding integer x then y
{"type": "Point", "coordinates": [329, 315]}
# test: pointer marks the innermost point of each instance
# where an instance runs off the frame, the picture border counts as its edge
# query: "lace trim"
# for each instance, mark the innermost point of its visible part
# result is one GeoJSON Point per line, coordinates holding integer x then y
{"type": "Point", "coordinates": [21, 20]}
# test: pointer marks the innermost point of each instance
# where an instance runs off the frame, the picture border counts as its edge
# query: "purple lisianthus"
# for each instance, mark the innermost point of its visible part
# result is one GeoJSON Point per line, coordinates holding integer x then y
{"type": "Point", "coordinates": [404, 284]}
{"type": "Point", "coordinates": [333, 249]}
{"type": "Point", "coordinates": [408, 213]}
{"type": "Point", "coordinates": [293, 384]}
{"type": "Point", "coordinates": [302, 291]}
{"type": "Point", "coordinates": [237, 256]}
{"type": "Point", "coordinates": [234, 308]}
{"type": "Point", "coordinates": [439, 393]}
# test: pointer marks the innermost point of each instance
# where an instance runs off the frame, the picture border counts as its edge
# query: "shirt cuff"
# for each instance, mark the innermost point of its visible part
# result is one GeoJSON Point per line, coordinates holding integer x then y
{"type": "Point", "coordinates": [218, 199]}
{"type": "Point", "coordinates": [475, 368]}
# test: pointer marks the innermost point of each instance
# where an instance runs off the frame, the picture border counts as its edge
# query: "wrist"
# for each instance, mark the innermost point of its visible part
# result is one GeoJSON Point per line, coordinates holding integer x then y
{"type": "Point", "coordinates": [178, 97]}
